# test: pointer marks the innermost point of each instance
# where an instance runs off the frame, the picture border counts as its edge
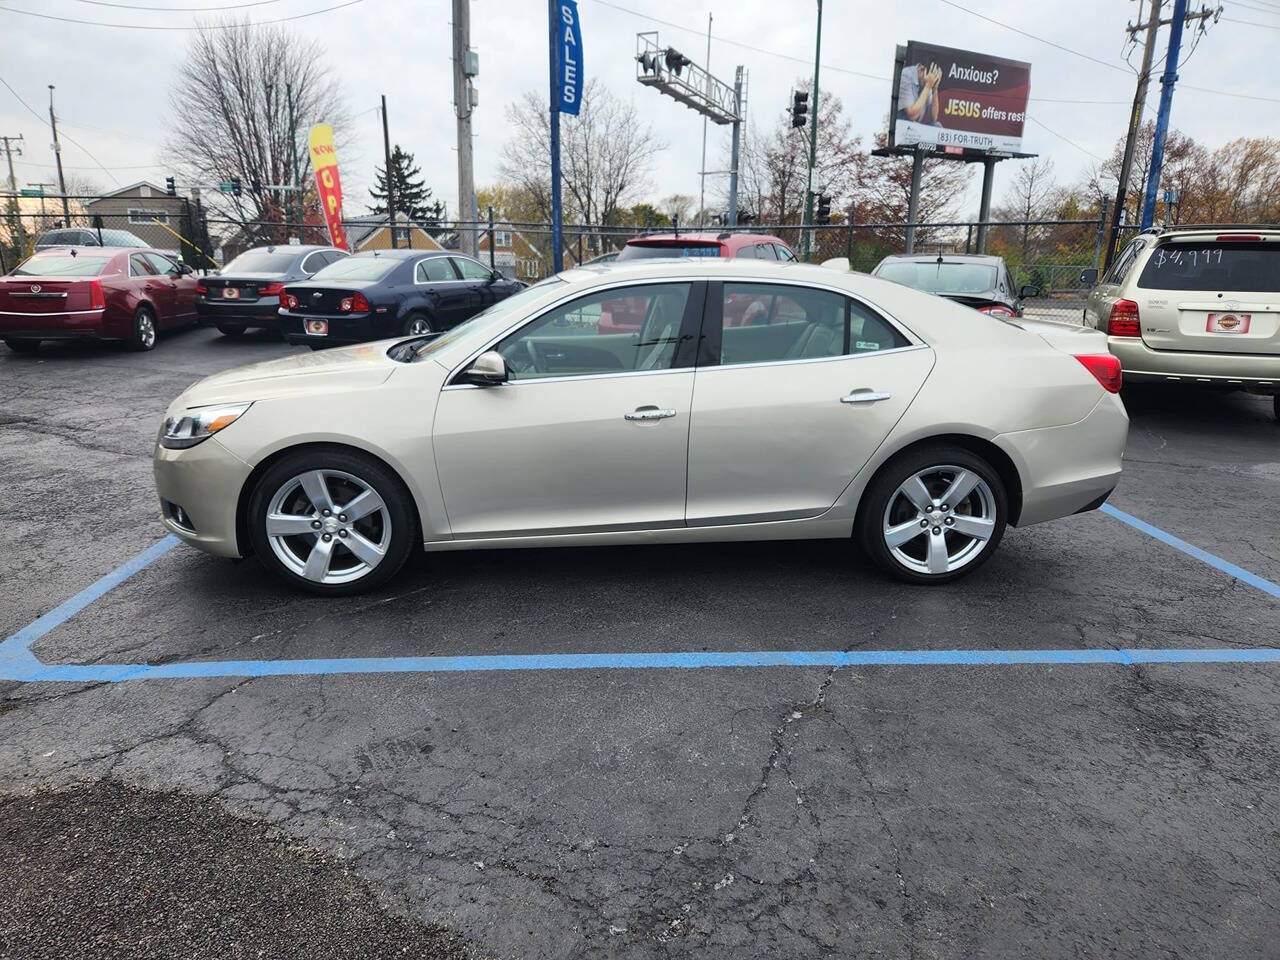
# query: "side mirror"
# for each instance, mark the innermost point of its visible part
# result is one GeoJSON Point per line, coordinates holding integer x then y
{"type": "Point", "coordinates": [494, 277]}
{"type": "Point", "coordinates": [486, 370]}
{"type": "Point", "coordinates": [1089, 276]}
{"type": "Point", "coordinates": [1029, 291]}
{"type": "Point", "coordinates": [184, 269]}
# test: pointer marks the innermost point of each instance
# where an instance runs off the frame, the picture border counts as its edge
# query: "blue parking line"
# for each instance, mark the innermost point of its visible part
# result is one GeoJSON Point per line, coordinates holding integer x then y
{"type": "Point", "coordinates": [1191, 550]}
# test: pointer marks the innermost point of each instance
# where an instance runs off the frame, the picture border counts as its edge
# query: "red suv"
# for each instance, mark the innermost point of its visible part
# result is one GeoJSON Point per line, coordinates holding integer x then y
{"type": "Point", "coordinates": [97, 293]}
{"type": "Point", "coordinates": [626, 315]}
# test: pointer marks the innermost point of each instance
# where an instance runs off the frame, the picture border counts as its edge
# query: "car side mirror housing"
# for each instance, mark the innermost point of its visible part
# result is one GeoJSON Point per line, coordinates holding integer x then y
{"type": "Point", "coordinates": [494, 276]}
{"type": "Point", "coordinates": [1089, 276]}
{"type": "Point", "coordinates": [1028, 291]}
{"type": "Point", "coordinates": [486, 370]}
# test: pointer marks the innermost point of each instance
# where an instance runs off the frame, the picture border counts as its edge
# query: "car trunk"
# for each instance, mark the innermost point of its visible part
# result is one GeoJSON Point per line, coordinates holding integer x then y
{"type": "Point", "coordinates": [46, 294]}
{"type": "Point", "coordinates": [324, 299]}
{"type": "Point", "coordinates": [245, 287]}
{"type": "Point", "coordinates": [1212, 296]}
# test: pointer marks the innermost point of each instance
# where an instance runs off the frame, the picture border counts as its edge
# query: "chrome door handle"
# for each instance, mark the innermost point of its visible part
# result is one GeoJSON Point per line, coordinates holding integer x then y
{"type": "Point", "coordinates": [649, 412]}
{"type": "Point", "coordinates": [864, 396]}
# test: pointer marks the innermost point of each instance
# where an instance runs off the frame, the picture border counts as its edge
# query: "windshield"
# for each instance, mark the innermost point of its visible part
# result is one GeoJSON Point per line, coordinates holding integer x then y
{"type": "Point", "coordinates": [358, 268]}
{"type": "Point", "coordinates": [637, 251]}
{"type": "Point", "coordinates": [934, 277]}
{"type": "Point", "coordinates": [410, 350]}
{"type": "Point", "coordinates": [1244, 267]}
{"type": "Point", "coordinates": [61, 265]}
{"type": "Point", "coordinates": [261, 261]}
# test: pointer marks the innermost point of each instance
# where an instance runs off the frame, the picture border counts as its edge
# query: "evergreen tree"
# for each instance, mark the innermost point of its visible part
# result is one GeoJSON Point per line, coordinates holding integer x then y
{"type": "Point", "coordinates": [412, 195]}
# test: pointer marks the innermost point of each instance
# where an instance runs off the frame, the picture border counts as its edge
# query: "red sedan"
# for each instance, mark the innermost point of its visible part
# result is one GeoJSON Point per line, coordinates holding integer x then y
{"type": "Point", "coordinates": [95, 293]}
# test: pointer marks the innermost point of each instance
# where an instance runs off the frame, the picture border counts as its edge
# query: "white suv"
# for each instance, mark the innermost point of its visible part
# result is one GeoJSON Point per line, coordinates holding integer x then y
{"type": "Point", "coordinates": [1195, 305]}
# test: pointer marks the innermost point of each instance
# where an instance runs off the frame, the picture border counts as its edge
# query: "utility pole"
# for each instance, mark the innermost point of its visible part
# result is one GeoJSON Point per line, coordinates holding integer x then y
{"type": "Point", "coordinates": [702, 175]}
{"type": "Point", "coordinates": [736, 150]}
{"type": "Point", "coordinates": [57, 154]}
{"type": "Point", "coordinates": [293, 161]}
{"type": "Point", "coordinates": [12, 145]}
{"type": "Point", "coordinates": [462, 108]}
{"type": "Point", "coordinates": [813, 137]}
{"type": "Point", "coordinates": [391, 193]}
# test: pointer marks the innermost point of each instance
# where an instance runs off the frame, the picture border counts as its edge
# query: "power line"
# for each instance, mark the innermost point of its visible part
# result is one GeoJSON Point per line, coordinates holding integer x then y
{"type": "Point", "coordinates": [1251, 23]}
{"type": "Point", "coordinates": [1032, 36]}
{"type": "Point", "coordinates": [135, 6]}
{"type": "Point", "coordinates": [77, 143]}
{"type": "Point", "coordinates": [1067, 140]}
{"type": "Point", "coordinates": [207, 26]}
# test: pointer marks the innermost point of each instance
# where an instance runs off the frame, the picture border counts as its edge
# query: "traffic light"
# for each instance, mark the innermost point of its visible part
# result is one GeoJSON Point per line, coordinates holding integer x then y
{"type": "Point", "coordinates": [236, 189]}
{"type": "Point", "coordinates": [170, 187]}
{"type": "Point", "coordinates": [799, 108]}
{"type": "Point", "coordinates": [649, 63]}
{"type": "Point", "coordinates": [676, 61]}
{"type": "Point", "coordinates": [256, 185]}
{"type": "Point", "coordinates": [824, 209]}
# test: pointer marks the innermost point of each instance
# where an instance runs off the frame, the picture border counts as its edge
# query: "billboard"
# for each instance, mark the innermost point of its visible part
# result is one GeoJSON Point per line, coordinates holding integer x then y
{"type": "Point", "coordinates": [955, 100]}
{"type": "Point", "coordinates": [324, 159]}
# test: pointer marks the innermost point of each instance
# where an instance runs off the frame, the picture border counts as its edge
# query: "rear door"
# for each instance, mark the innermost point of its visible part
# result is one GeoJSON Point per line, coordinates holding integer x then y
{"type": "Point", "coordinates": [790, 405]}
{"type": "Point", "coordinates": [1107, 291]}
{"type": "Point", "coordinates": [1211, 295]}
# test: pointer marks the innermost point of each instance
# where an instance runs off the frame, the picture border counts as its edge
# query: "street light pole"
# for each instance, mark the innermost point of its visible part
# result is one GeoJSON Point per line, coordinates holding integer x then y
{"type": "Point", "coordinates": [813, 137]}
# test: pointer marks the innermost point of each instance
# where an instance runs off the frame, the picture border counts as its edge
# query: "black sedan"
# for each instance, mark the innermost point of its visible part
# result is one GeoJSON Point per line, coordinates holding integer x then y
{"type": "Point", "coordinates": [389, 293]}
{"type": "Point", "coordinates": [246, 293]}
{"type": "Point", "coordinates": [977, 280]}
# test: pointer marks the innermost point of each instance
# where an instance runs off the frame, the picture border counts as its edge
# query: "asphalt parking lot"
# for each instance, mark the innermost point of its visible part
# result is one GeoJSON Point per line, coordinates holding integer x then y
{"type": "Point", "coordinates": [878, 806]}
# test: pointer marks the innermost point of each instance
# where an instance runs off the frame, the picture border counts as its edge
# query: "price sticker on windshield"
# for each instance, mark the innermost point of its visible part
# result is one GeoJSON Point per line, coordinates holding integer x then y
{"type": "Point", "coordinates": [1228, 323]}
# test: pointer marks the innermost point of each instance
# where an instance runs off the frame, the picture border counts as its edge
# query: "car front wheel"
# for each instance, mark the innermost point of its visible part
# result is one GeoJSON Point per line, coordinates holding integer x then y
{"type": "Point", "coordinates": [332, 521]}
{"type": "Point", "coordinates": [933, 515]}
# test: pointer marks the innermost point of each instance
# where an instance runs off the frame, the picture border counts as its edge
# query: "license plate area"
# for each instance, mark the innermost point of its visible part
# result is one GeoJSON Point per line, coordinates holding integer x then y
{"type": "Point", "coordinates": [1228, 323]}
{"type": "Point", "coordinates": [230, 293]}
{"type": "Point", "coordinates": [316, 328]}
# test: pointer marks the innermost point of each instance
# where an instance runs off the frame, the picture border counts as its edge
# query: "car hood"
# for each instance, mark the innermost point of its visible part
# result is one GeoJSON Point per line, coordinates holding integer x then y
{"type": "Point", "coordinates": [323, 371]}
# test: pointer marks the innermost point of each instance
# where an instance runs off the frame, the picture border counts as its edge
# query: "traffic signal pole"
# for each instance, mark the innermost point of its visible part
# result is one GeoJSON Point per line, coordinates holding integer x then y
{"type": "Point", "coordinates": [813, 137]}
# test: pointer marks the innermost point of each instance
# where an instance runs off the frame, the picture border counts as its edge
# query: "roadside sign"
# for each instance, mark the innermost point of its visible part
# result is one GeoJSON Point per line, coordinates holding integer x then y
{"type": "Point", "coordinates": [227, 187]}
{"type": "Point", "coordinates": [31, 192]}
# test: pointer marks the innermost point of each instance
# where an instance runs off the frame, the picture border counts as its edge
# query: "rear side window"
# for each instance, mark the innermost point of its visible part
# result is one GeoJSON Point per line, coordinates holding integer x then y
{"type": "Point", "coordinates": [1120, 269]}
{"type": "Point", "coordinates": [61, 265]}
{"type": "Point", "coordinates": [768, 323]}
{"type": "Point", "coordinates": [1248, 267]}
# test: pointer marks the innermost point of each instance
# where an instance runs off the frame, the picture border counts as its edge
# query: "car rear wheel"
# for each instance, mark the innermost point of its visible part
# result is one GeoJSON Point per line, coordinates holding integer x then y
{"type": "Point", "coordinates": [417, 325]}
{"type": "Point", "coordinates": [231, 329]}
{"type": "Point", "coordinates": [933, 515]}
{"type": "Point", "coordinates": [144, 330]}
{"type": "Point", "coordinates": [23, 346]}
{"type": "Point", "coordinates": [332, 521]}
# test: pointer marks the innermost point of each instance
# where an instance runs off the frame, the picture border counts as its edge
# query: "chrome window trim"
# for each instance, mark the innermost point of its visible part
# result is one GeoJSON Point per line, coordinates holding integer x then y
{"type": "Point", "coordinates": [423, 283]}
{"type": "Point", "coordinates": [460, 257]}
{"type": "Point", "coordinates": [709, 368]}
{"type": "Point", "coordinates": [303, 265]}
{"type": "Point", "coordinates": [566, 379]}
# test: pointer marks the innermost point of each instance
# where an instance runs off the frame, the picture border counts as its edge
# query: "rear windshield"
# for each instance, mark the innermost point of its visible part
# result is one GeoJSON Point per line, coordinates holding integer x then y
{"type": "Point", "coordinates": [62, 265]}
{"type": "Point", "coordinates": [637, 251]}
{"type": "Point", "coordinates": [261, 261]}
{"type": "Point", "coordinates": [1187, 265]}
{"type": "Point", "coordinates": [358, 268]}
{"type": "Point", "coordinates": [971, 278]}
{"type": "Point", "coordinates": [118, 238]}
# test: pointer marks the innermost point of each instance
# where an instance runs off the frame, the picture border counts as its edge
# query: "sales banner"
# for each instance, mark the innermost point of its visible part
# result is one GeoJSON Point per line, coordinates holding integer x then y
{"type": "Point", "coordinates": [324, 160]}
{"type": "Point", "coordinates": [953, 100]}
{"type": "Point", "coordinates": [568, 54]}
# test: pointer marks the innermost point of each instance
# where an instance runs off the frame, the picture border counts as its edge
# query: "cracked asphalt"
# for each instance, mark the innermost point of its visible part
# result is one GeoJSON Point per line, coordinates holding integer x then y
{"type": "Point", "coordinates": [888, 812]}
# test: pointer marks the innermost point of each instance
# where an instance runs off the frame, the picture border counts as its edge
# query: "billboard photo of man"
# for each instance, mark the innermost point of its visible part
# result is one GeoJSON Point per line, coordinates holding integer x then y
{"type": "Point", "coordinates": [918, 93]}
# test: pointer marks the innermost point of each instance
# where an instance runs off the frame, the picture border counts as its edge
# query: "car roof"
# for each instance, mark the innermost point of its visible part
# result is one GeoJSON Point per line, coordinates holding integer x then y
{"type": "Point", "coordinates": [1198, 230]}
{"type": "Point", "coordinates": [298, 248]}
{"type": "Point", "coordinates": [406, 254]}
{"type": "Point", "coordinates": [704, 236]}
{"type": "Point", "coordinates": [987, 258]}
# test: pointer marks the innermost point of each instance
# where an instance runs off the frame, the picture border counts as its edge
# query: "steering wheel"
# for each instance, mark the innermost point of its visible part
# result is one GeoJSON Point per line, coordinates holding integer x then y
{"type": "Point", "coordinates": [523, 359]}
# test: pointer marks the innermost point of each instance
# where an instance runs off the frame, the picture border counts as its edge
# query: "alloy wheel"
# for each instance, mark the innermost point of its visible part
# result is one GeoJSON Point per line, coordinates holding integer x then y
{"type": "Point", "coordinates": [328, 526]}
{"type": "Point", "coordinates": [146, 330]}
{"type": "Point", "coordinates": [939, 519]}
{"type": "Point", "coordinates": [418, 326]}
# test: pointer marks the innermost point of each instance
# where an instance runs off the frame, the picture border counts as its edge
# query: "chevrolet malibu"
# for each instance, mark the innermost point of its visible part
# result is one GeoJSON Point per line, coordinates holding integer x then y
{"type": "Point", "coordinates": [851, 408]}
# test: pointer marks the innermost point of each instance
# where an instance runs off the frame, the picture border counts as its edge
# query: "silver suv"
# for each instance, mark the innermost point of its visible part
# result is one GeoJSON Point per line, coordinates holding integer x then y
{"type": "Point", "coordinates": [1195, 305]}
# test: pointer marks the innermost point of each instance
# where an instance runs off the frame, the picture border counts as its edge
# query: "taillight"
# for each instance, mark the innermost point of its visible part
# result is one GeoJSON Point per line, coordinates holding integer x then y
{"type": "Point", "coordinates": [1105, 369]}
{"type": "Point", "coordinates": [1123, 321]}
{"type": "Point", "coordinates": [97, 299]}
{"type": "Point", "coordinates": [356, 303]}
{"type": "Point", "coordinates": [202, 288]}
{"type": "Point", "coordinates": [289, 301]}
{"type": "Point", "coordinates": [270, 289]}
{"type": "Point", "coordinates": [997, 310]}
{"type": "Point", "coordinates": [1240, 238]}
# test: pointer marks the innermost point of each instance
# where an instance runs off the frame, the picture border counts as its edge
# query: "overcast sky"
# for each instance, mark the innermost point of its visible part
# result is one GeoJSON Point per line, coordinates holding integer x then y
{"type": "Point", "coordinates": [112, 83]}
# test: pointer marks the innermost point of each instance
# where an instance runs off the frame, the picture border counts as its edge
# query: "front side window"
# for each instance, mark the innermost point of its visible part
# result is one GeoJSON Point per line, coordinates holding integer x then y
{"type": "Point", "coordinates": [434, 270]}
{"type": "Point", "coordinates": [784, 253]}
{"type": "Point", "coordinates": [162, 265]}
{"type": "Point", "coordinates": [624, 330]}
{"type": "Point", "coordinates": [471, 270]}
{"type": "Point", "coordinates": [768, 323]}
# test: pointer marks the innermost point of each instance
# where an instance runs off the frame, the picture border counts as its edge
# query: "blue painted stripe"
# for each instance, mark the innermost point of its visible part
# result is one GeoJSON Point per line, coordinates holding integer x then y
{"type": "Point", "coordinates": [1191, 550]}
{"type": "Point", "coordinates": [117, 672]}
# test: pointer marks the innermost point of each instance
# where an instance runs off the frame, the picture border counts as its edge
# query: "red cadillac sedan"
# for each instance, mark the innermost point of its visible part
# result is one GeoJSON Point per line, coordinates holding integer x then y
{"type": "Point", "coordinates": [95, 293]}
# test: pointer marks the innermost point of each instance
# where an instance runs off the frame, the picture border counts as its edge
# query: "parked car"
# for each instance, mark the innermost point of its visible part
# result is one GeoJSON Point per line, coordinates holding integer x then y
{"type": "Point", "coordinates": [860, 412]}
{"type": "Point", "coordinates": [387, 293]}
{"type": "Point", "coordinates": [977, 280]}
{"type": "Point", "coordinates": [87, 237]}
{"type": "Point", "coordinates": [604, 258]}
{"type": "Point", "coordinates": [1195, 305]}
{"type": "Point", "coordinates": [74, 293]}
{"type": "Point", "coordinates": [246, 292]}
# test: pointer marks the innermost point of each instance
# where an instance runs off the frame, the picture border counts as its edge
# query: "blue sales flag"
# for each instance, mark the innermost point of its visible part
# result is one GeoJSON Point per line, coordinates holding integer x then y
{"type": "Point", "coordinates": [569, 58]}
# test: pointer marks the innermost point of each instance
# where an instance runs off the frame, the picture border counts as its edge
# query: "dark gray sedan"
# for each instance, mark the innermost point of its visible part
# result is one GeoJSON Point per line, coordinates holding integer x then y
{"type": "Point", "coordinates": [246, 292]}
{"type": "Point", "coordinates": [976, 280]}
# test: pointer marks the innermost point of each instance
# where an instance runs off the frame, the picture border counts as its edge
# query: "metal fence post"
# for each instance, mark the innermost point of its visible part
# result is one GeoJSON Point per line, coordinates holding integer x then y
{"type": "Point", "coordinates": [848, 239]}
{"type": "Point", "coordinates": [491, 255]}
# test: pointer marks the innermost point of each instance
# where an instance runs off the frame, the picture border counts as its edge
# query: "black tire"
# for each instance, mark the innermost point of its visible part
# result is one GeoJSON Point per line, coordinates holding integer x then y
{"type": "Point", "coordinates": [145, 332]}
{"type": "Point", "coordinates": [231, 329]}
{"type": "Point", "coordinates": [400, 511]}
{"type": "Point", "coordinates": [421, 321]}
{"type": "Point", "coordinates": [23, 346]}
{"type": "Point", "coordinates": [882, 493]}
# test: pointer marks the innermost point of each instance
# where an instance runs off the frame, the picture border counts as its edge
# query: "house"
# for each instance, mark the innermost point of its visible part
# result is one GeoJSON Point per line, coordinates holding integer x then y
{"type": "Point", "coordinates": [373, 232]}
{"type": "Point", "coordinates": [143, 209]}
{"type": "Point", "coordinates": [513, 255]}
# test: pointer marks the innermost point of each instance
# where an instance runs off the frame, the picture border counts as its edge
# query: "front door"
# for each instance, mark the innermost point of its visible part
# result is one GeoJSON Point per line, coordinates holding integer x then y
{"type": "Point", "coordinates": [801, 387]}
{"type": "Point", "coordinates": [589, 434]}
{"type": "Point", "coordinates": [480, 279]}
{"type": "Point", "coordinates": [450, 297]}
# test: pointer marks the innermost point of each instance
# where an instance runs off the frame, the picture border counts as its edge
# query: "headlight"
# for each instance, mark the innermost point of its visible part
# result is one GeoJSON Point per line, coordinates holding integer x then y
{"type": "Point", "coordinates": [199, 423]}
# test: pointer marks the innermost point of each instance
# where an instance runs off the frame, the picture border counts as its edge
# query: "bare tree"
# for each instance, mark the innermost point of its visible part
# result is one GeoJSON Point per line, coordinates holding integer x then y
{"type": "Point", "coordinates": [1030, 196]}
{"type": "Point", "coordinates": [679, 207]}
{"type": "Point", "coordinates": [605, 154]}
{"type": "Point", "coordinates": [884, 193]}
{"type": "Point", "coordinates": [231, 113]}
